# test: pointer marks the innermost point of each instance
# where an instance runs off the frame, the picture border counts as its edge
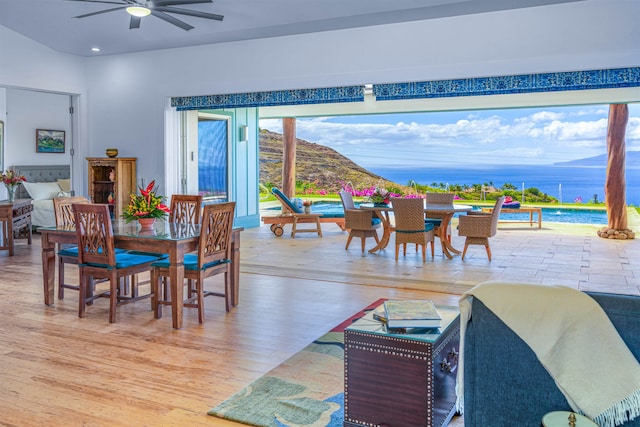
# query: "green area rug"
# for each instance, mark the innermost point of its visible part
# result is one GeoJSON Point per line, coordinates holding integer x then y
{"type": "Point", "coordinates": [306, 390]}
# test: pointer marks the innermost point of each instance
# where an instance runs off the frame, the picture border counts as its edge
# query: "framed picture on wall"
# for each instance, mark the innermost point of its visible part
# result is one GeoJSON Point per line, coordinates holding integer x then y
{"type": "Point", "coordinates": [49, 141]}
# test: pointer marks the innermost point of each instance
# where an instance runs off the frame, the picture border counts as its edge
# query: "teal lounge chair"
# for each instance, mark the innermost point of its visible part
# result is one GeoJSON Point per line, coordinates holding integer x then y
{"type": "Point", "coordinates": [293, 214]}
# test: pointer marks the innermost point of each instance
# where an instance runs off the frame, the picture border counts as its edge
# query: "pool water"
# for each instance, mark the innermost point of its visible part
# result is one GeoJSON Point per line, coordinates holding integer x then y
{"type": "Point", "coordinates": [573, 216]}
{"type": "Point", "coordinates": [553, 214]}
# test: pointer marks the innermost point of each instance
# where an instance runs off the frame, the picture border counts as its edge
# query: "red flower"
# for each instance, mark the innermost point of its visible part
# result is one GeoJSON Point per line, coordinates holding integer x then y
{"type": "Point", "coordinates": [149, 189]}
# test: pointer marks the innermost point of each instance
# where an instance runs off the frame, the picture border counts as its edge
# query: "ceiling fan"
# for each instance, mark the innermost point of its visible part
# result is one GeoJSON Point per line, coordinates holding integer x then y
{"type": "Point", "coordinates": [158, 8]}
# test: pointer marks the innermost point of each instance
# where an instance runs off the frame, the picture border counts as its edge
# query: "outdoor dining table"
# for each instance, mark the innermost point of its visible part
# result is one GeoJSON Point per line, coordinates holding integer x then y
{"type": "Point", "coordinates": [174, 239]}
{"type": "Point", "coordinates": [443, 211]}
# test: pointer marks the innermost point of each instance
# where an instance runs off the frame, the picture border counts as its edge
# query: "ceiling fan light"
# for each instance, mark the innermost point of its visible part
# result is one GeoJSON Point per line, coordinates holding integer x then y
{"type": "Point", "coordinates": [138, 11]}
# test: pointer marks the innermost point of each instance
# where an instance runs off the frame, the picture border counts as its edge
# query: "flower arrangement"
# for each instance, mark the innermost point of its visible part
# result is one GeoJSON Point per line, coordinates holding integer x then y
{"type": "Point", "coordinates": [145, 205]}
{"type": "Point", "coordinates": [380, 196]}
{"type": "Point", "coordinates": [11, 180]}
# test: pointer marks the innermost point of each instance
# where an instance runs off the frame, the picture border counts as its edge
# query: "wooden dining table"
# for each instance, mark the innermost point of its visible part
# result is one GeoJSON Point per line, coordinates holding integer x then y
{"type": "Point", "coordinates": [174, 239]}
{"type": "Point", "coordinates": [442, 211]}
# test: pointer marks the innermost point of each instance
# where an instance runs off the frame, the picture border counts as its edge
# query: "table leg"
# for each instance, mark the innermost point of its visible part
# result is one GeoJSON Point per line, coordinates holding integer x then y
{"type": "Point", "coordinates": [176, 273]}
{"type": "Point", "coordinates": [447, 248]}
{"type": "Point", "coordinates": [386, 231]}
{"type": "Point", "coordinates": [48, 269]}
{"type": "Point", "coordinates": [540, 219]}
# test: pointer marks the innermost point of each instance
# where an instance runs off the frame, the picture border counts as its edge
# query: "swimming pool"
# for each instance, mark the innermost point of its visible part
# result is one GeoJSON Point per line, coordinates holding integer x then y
{"type": "Point", "coordinates": [551, 214]}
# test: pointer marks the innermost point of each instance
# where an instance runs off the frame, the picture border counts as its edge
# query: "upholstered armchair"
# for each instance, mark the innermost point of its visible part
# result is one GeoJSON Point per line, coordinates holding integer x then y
{"type": "Point", "coordinates": [478, 227]}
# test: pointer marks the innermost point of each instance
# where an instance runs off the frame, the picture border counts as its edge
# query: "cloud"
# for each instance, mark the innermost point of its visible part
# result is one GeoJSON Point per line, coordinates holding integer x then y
{"type": "Point", "coordinates": [525, 136]}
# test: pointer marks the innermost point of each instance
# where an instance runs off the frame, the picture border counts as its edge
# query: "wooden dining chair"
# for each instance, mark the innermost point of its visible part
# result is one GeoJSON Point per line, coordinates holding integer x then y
{"type": "Point", "coordinates": [67, 254]}
{"type": "Point", "coordinates": [185, 209]}
{"type": "Point", "coordinates": [97, 258]}
{"type": "Point", "coordinates": [359, 223]}
{"type": "Point", "coordinates": [410, 226]}
{"type": "Point", "coordinates": [213, 258]}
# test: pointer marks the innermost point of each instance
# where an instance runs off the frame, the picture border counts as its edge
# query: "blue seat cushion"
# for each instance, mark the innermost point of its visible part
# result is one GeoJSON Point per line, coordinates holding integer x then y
{"type": "Point", "coordinates": [376, 221]}
{"type": "Point", "coordinates": [73, 251]}
{"type": "Point", "coordinates": [190, 262]}
{"type": "Point", "coordinates": [435, 221]}
{"type": "Point", "coordinates": [427, 227]}
{"type": "Point", "coordinates": [154, 254]}
{"type": "Point", "coordinates": [124, 260]}
{"type": "Point", "coordinates": [286, 200]}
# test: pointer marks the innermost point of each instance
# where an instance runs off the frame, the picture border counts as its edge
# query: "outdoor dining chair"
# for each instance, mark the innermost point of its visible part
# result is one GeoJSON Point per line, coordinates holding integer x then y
{"type": "Point", "coordinates": [359, 223]}
{"type": "Point", "coordinates": [434, 218]}
{"type": "Point", "coordinates": [479, 227]}
{"type": "Point", "coordinates": [410, 225]}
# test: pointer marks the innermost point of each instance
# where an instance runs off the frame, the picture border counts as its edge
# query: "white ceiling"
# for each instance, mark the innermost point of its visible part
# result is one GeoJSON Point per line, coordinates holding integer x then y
{"type": "Point", "coordinates": [51, 22]}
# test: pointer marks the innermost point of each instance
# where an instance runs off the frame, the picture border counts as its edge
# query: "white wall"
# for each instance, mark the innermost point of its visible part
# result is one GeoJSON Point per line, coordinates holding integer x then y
{"type": "Point", "coordinates": [28, 111]}
{"type": "Point", "coordinates": [27, 64]}
{"type": "Point", "coordinates": [36, 83]}
{"type": "Point", "coordinates": [130, 89]}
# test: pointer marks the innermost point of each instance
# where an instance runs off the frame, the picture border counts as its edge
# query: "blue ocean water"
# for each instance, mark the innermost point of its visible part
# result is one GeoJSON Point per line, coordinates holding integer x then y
{"type": "Point", "coordinates": [562, 182]}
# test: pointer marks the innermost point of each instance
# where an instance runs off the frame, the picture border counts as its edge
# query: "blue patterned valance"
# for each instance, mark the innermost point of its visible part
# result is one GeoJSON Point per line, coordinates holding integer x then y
{"type": "Point", "coordinates": [272, 98]}
{"type": "Point", "coordinates": [476, 86]}
{"type": "Point", "coordinates": [524, 83]}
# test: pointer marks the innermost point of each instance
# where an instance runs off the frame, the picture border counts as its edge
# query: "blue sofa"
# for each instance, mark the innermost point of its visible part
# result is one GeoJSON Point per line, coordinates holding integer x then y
{"type": "Point", "coordinates": [504, 383]}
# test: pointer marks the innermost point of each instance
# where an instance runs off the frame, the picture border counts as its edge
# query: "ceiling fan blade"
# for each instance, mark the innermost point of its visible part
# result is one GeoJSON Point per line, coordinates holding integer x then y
{"type": "Point", "coordinates": [99, 1]}
{"type": "Point", "coordinates": [190, 12]}
{"type": "Point", "coordinates": [170, 19]}
{"type": "Point", "coordinates": [134, 22]}
{"type": "Point", "coordinates": [101, 11]}
{"type": "Point", "coordinates": [176, 2]}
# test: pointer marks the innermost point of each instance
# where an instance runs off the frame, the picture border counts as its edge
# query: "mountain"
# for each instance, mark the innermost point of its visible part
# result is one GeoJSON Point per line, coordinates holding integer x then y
{"type": "Point", "coordinates": [323, 166]}
{"type": "Point", "coordinates": [632, 157]}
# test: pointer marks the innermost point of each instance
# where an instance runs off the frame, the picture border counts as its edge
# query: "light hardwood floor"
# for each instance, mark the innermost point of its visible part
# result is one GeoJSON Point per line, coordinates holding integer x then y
{"type": "Point", "coordinates": [59, 370]}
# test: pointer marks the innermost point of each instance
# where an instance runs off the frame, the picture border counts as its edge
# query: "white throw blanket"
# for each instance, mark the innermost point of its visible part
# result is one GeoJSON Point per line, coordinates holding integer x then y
{"type": "Point", "coordinates": [573, 339]}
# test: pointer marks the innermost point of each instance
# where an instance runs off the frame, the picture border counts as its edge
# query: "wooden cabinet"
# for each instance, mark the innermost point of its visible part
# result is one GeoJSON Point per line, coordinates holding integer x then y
{"type": "Point", "coordinates": [111, 181]}
{"type": "Point", "coordinates": [400, 380]}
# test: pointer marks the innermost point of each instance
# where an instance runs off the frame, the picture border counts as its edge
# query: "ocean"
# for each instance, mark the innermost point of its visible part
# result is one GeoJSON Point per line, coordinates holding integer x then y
{"type": "Point", "coordinates": [565, 183]}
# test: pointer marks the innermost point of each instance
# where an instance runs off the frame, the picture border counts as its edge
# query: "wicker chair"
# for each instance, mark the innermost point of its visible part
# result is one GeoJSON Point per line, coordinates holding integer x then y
{"type": "Point", "coordinates": [478, 227]}
{"type": "Point", "coordinates": [360, 223]}
{"type": "Point", "coordinates": [410, 225]}
{"type": "Point", "coordinates": [434, 218]}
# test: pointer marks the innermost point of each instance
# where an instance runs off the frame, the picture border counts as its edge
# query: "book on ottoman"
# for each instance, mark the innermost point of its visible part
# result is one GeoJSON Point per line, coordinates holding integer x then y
{"type": "Point", "coordinates": [412, 314]}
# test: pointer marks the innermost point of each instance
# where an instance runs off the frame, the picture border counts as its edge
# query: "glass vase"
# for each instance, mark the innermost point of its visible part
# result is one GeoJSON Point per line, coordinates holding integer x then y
{"type": "Point", "coordinates": [11, 191]}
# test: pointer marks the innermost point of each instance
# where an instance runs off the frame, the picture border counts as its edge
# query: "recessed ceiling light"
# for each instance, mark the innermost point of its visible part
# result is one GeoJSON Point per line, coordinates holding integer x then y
{"type": "Point", "coordinates": [95, 49]}
{"type": "Point", "coordinates": [138, 11]}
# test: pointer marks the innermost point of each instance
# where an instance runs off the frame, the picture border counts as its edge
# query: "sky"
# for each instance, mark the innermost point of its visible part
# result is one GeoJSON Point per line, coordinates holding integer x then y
{"type": "Point", "coordinates": [523, 136]}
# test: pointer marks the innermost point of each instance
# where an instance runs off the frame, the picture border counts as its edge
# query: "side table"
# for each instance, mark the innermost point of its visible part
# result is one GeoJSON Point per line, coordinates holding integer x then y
{"type": "Point", "coordinates": [16, 222]}
{"type": "Point", "coordinates": [400, 380]}
{"type": "Point", "coordinates": [566, 419]}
